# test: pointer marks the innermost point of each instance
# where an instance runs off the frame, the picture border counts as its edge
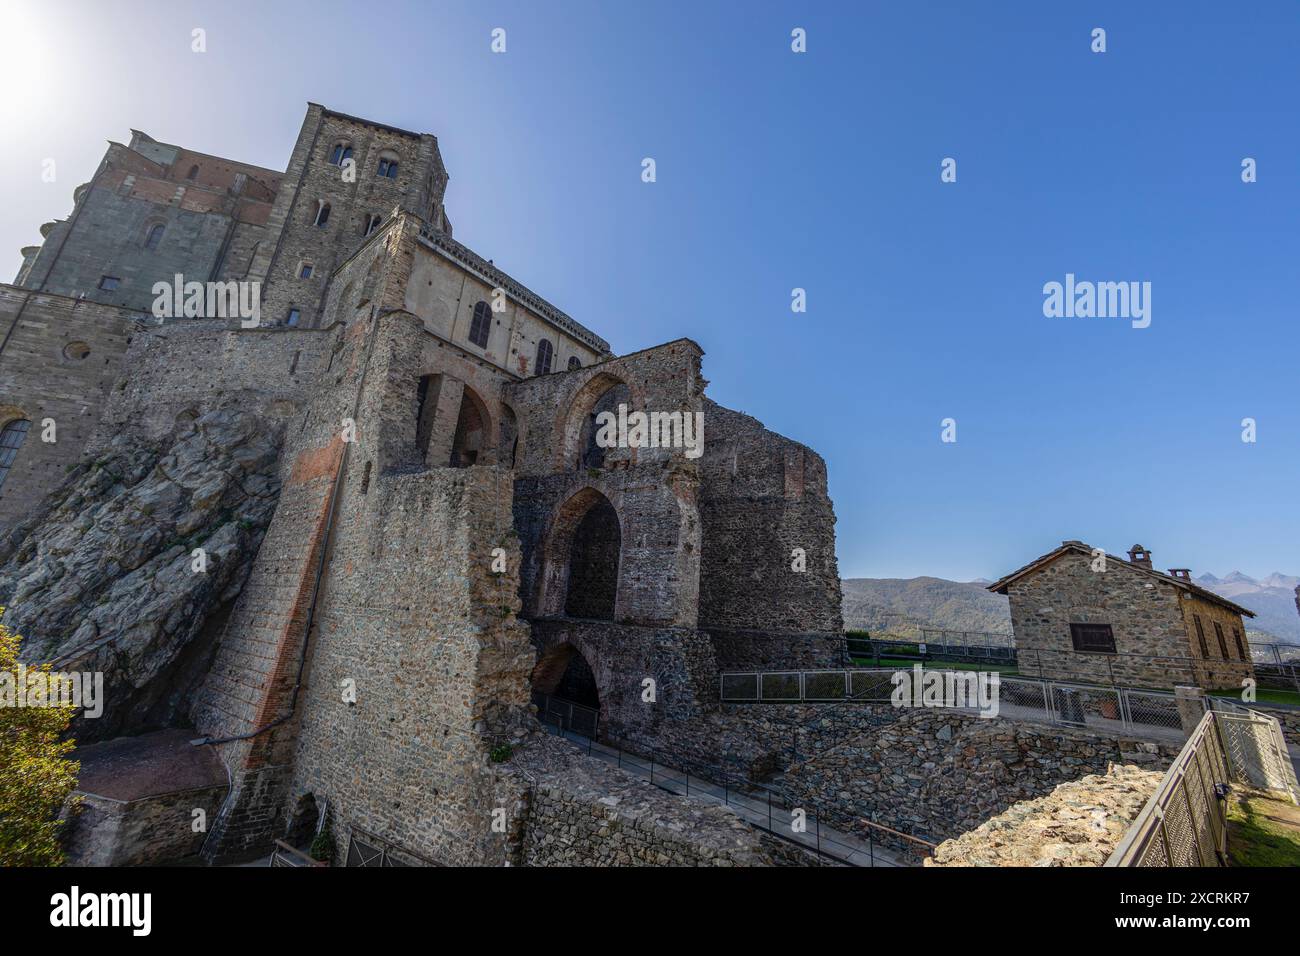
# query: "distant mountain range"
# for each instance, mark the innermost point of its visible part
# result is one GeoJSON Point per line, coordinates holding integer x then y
{"type": "Point", "coordinates": [878, 604]}
{"type": "Point", "coordinates": [1271, 598]}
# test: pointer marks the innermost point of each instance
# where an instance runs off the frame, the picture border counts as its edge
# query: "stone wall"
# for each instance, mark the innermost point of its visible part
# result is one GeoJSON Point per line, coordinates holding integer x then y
{"type": "Point", "coordinates": [152, 831]}
{"type": "Point", "coordinates": [762, 496]}
{"type": "Point", "coordinates": [1078, 824]}
{"type": "Point", "coordinates": [59, 357]}
{"type": "Point", "coordinates": [936, 774]}
{"type": "Point", "coordinates": [582, 812]}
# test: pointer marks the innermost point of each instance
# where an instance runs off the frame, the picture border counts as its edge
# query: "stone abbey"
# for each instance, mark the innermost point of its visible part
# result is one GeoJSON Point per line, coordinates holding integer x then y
{"type": "Point", "coordinates": [361, 557]}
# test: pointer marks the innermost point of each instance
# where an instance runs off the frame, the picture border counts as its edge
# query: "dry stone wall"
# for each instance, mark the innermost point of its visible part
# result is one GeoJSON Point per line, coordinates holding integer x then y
{"type": "Point", "coordinates": [1078, 824]}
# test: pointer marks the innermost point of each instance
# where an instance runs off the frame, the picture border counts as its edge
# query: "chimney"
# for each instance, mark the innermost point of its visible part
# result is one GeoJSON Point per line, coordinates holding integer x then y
{"type": "Point", "coordinates": [1140, 556]}
{"type": "Point", "coordinates": [1182, 574]}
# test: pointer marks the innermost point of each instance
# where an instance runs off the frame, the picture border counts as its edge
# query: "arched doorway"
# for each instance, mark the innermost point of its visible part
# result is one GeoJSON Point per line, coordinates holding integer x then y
{"type": "Point", "coordinates": [566, 691]}
{"type": "Point", "coordinates": [593, 564]}
{"type": "Point", "coordinates": [581, 558]}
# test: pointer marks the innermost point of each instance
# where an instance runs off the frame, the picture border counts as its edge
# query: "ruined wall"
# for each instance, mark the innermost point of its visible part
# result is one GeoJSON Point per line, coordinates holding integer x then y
{"type": "Point", "coordinates": [582, 812]}
{"type": "Point", "coordinates": [936, 774]}
{"type": "Point", "coordinates": [412, 614]}
{"type": "Point", "coordinates": [761, 497]}
{"type": "Point", "coordinates": [1146, 616]}
{"type": "Point", "coordinates": [58, 359]}
{"type": "Point", "coordinates": [653, 490]}
{"type": "Point", "coordinates": [153, 831]}
{"type": "Point", "coordinates": [1078, 824]}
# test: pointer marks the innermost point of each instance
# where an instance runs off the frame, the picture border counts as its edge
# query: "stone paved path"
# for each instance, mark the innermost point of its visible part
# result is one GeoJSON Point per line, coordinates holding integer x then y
{"type": "Point", "coordinates": [752, 807]}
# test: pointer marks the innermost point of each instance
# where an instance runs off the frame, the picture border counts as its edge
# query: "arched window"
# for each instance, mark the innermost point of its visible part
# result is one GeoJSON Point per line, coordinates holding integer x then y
{"type": "Point", "coordinates": [154, 236]}
{"type": "Point", "coordinates": [387, 167]}
{"type": "Point", "coordinates": [481, 327]}
{"type": "Point", "coordinates": [544, 353]}
{"type": "Point", "coordinates": [574, 362]}
{"type": "Point", "coordinates": [193, 174]}
{"type": "Point", "coordinates": [373, 222]}
{"type": "Point", "coordinates": [322, 213]}
{"type": "Point", "coordinates": [11, 439]}
{"type": "Point", "coordinates": [341, 152]}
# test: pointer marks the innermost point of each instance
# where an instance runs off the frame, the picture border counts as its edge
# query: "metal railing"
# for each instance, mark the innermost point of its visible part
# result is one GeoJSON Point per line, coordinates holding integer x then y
{"type": "Point", "coordinates": [1274, 665]}
{"type": "Point", "coordinates": [1113, 710]}
{"type": "Point", "coordinates": [763, 807]}
{"type": "Point", "coordinates": [1185, 821]}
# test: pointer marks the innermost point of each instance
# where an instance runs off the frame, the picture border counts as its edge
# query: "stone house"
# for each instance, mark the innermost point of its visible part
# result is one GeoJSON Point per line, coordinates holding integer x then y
{"type": "Point", "coordinates": [1079, 614]}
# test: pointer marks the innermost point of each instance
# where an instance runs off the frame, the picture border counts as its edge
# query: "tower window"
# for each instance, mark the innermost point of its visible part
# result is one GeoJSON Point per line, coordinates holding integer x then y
{"type": "Point", "coordinates": [11, 439]}
{"type": "Point", "coordinates": [544, 353]}
{"type": "Point", "coordinates": [340, 153]}
{"type": "Point", "coordinates": [193, 174]}
{"type": "Point", "coordinates": [292, 318]}
{"type": "Point", "coordinates": [373, 222]}
{"type": "Point", "coordinates": [154, 237]}
{"type": "Point", "coordinates": [481, 327]}
{"type": "Point", "coordinates": [109, 283]}
{"type": "Point", "coordinates": [304, 270]}
{"type": "Point", "coordinates": [322, 214]}
{"type": "Point", "coordinates": [387, 167]}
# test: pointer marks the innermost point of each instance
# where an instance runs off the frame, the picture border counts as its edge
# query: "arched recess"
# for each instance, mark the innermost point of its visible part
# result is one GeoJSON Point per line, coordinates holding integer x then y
{"type": "Point", "coordinates": [471, 444]}
{"type": "Point", "coordinates": [562, 671]}
{"type": "Point", "coordinates": [582, 556]}
{"type": "Point", "coordinates": [576, 426]}
{"type": "Point", "coordinates": [508, 437]}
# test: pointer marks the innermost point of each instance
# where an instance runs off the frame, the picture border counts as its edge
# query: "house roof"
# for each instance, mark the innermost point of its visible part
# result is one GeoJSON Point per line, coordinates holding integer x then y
{"type": "Point", "coordinates": [1000, 586]}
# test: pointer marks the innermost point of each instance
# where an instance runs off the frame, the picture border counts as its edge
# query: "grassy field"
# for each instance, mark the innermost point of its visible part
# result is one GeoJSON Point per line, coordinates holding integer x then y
{"type": "Point", "coordinates": [1262, 831]}
{"type": "Point", "coordinates": [903, 664]}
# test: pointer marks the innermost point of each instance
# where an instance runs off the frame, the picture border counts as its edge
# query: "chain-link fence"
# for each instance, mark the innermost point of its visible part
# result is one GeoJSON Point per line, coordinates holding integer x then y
{"type": "Point", "coordinates": [1111, 710]}
{"type": "Point", "coordinates": [1185, 821]}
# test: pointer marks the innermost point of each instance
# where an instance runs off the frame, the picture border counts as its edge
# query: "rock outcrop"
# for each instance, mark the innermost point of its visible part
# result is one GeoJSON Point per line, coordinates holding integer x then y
{"type": "Point", "coordinates": [103, 578]}
{"type": "Point", "coordinates": [1077, 824]}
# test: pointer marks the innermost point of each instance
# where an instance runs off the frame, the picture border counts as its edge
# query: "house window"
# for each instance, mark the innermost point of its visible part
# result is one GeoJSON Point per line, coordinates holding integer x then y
{"type": "Point", "coordinates": [1093, 638]}
{"type": "Point", "coordinates": [322, 213]}
{"type": "Point", "coordinates": [372, 223]}
{"type": "Point", "coordinates": [1241, 648]}
{"type": "Point", "coordinates": [574, 363]}
{"type": "Point", "coordinates": [11, 439]}
{"type": "Point", "coordinates": [1200, 635]}
{"type": "Point", "coordinates": [387, 167]}
{"type": "Point", "coordinates": [341, 152]}
{"type": "Point", "coordinates": [154, 237]}
{"type": "Point", "coordinates": [304, 271]}
{"type": "Point", "coordinates": [1223, 645]}
{"type": "Point", "coordinates": [544, 353]}
{"type": "Point", "coordinates": [481, 327]}
{"type": "Point", "coordinates": [193, 174]}
{"type": "Point", "coordinates": [109, 283]}
{"type": "Point", "coordinates": [292, 318]}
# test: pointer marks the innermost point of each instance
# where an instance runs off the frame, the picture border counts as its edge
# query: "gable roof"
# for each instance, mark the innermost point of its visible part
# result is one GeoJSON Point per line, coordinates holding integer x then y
{"type": "Point", "coordinates": [1000, 586]}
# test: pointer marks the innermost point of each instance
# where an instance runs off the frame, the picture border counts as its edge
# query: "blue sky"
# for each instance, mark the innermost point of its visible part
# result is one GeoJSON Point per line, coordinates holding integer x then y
{"type": "Point", "coordinates": [819, 171]}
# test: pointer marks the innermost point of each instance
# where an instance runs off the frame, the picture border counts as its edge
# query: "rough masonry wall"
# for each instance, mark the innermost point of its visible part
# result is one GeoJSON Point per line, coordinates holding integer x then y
{"type": "Point", "coordinates": [1145, 615]}
{"type": "Point", "coordinates": [936, 774]}
{"type": "Point", "coordinates": [653, 490]}
{"type": "Point", "coordinates": [761, 497]}
{"type": "Point", "coordinates": [582, 812]}
{"type": "Point", "coordinates": [1078, 824]}
{"type": "Point", "coordinates": [412, 614]}
{"type": "Point", "coordinates": [58, 359]}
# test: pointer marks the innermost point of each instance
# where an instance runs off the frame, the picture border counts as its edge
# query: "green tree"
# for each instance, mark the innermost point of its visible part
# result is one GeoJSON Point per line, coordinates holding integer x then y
{"type": "Point", "coordinates": [35, 775]}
